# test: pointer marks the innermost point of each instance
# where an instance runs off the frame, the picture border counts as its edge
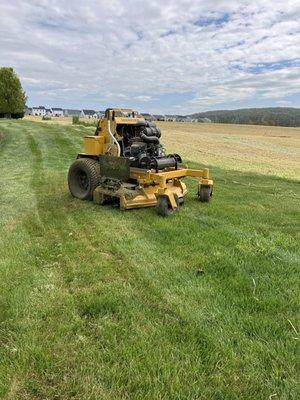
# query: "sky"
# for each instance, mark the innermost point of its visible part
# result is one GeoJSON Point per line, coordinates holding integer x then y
{"type": "Point", "coordinates": [159, 56]}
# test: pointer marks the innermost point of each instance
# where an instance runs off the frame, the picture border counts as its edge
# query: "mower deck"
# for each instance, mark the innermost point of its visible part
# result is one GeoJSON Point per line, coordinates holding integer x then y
{"type": "Point", "coordinates": [149, 186]}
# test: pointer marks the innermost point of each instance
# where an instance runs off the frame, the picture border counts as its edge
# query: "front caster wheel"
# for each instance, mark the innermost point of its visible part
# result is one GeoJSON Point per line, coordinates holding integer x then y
{"type": "Point", "coordinates": [163, 206]}
{"type": "Point", "coordinates": [204, 193]}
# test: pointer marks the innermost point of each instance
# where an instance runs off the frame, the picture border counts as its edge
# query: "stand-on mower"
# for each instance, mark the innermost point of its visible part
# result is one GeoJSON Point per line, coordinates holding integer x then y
{"type": "Point", "coordinates": [124, 162]}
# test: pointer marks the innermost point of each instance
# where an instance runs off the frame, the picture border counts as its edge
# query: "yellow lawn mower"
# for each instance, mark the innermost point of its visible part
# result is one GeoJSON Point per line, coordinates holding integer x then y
{"type": "Point", "coordinates": [125, 163]}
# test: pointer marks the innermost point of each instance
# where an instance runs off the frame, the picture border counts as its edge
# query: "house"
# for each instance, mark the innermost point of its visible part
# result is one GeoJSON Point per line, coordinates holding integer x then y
{"type": "Point", "coordinates": [40, 110]}
{"type": "Point", "coordinates": [148, 117]}
{"type": "Point", "coordinates": [100, 114]}
{"type": "Point", "coordinates": [48, 111]}
{"type": "Point", "coordinates": [160, 117]}
{"type": "Point", "coordinates": [57, 112]}
{"type": "Point", "coordinates": [88, 114]}
{"type": "Point", "coordinates": [27, 110]}
{"type": "Point", "coordinates": [171, 118]}
{"type": "Point", "coordinates": [72, 113]}
{"type": "Point", "coordinates": [204, 120]}
{"type": "Point", "coordinates": [185, 118]}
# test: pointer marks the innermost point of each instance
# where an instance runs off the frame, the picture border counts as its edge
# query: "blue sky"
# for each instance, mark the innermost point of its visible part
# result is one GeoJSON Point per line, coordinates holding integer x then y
{"type": "Point", "coordinates": [163, 57]}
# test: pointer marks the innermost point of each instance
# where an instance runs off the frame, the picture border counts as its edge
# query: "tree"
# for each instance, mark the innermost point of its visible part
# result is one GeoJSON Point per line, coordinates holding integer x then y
{"type": "Point", "coordinates": [12, 96]}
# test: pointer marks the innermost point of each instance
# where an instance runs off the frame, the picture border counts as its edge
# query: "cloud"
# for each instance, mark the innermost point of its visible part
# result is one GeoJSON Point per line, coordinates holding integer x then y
{"type": "Point", "coordinates": [181, 56]}
{"type": "Point", "coordinates": [143, 98]}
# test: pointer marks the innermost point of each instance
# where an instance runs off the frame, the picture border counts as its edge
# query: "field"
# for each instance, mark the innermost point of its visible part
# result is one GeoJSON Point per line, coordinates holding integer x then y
{"type": "Point", "coordinates": [96, 303]}
{"type": "Point", "coordinates": [264, 149]}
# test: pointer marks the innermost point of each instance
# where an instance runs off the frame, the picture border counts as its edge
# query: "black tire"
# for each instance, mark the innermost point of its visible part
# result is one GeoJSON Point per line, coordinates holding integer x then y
{"type": "Point", "coordinates": [204, 193]}
{"type": "Point", "coordinates": [181, 201]}
{"type": "Point", "coordinates": [163, 207]}
{"type": "Point", "coordinates": [83, 178]}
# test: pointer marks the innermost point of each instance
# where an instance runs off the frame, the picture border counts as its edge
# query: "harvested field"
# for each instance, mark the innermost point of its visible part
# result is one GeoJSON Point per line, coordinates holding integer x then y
{"type": "Point", "coordinates": [253, 148]}
{"type": "Point", "coordinates": [264, 149]}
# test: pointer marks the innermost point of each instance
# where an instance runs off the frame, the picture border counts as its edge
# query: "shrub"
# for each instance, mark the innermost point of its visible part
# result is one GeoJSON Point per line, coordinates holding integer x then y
{"type": "Point", "coordinates": [46, 118]}
{"type": "Point", "coordinates": [75, 120]}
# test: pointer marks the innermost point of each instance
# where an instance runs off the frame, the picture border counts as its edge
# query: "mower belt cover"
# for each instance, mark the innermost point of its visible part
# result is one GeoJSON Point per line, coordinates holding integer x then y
{"type": "Point", "coordinates": [115, 167]}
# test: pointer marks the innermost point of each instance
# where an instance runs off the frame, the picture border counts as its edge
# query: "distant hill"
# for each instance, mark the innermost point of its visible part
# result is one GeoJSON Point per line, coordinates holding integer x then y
{"type": "Point", "coordinates": [276, 116]}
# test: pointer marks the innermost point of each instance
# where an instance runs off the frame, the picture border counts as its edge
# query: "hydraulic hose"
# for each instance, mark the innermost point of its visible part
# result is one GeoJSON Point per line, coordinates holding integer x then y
{"type": "Point", "coordinates": [149, 139]}
{"type": "Point", "coordinates": [113, 139]}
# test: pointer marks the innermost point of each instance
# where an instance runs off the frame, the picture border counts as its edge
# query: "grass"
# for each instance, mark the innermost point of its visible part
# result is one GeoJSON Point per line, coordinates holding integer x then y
{"type": "Point", "coordinates": [84, 121]}
{"type": "Point", "coordinates": [96, 303]}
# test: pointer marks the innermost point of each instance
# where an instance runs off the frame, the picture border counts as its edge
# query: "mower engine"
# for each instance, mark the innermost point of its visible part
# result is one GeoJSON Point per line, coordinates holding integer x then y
{"type": "Point", "coordinates": [142, 146]}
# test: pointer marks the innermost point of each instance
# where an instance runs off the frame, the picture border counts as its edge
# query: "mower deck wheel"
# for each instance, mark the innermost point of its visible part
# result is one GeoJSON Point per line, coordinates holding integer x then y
{"type": "Point", "coordinates": [204, 193]}
{"type": "Point", "coordinates": [163, 206]}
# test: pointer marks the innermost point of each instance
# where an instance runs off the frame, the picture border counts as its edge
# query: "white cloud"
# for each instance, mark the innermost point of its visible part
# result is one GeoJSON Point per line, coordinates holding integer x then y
{"type": "Point", "coordinates": [143, 98]}
{"type": "Point", "coordinates": [186, 55]}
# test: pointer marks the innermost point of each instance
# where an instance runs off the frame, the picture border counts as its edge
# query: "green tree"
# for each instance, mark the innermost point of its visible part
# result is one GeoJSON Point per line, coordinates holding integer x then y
{"type": "Point", "coordinates": [12, 95]}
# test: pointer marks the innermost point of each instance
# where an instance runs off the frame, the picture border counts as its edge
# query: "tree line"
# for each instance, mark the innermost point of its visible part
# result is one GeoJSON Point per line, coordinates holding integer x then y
{"type": "Point", "coordinates": [274, 116]}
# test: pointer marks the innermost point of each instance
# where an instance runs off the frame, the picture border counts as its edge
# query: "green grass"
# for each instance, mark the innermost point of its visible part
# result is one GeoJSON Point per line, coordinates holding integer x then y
{"type": "Point", "coordinates": [96, 303]}
{"type": "Point", "coordinates": [78, 121]}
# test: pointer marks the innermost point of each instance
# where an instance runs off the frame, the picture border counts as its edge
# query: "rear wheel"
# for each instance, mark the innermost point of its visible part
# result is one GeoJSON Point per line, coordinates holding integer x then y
{"type": "Point", "coordinates": [83, 178]}
{"type": "Point", "coordinates": [163, 206]}
{"type": "Point", "coordinates": [204, 193]}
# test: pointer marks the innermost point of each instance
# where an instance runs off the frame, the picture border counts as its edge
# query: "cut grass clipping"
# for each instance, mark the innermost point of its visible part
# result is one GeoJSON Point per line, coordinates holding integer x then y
{"type": "Point", "coordinates": [96, 303]}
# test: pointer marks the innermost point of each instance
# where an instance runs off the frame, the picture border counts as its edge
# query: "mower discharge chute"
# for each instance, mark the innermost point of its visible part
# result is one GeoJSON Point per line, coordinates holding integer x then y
{"type": "Point", "coordinates": [125, 162]}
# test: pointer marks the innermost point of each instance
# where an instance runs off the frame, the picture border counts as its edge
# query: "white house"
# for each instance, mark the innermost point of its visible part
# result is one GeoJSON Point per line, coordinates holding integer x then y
{"type": "Point", "coordinates": [88, 114]}
{"type": "Point", "coordinates": [40, 110]}
{"type": "Point", "coordinates": [57, 112]}
{"type": "Point", "coordinates": [72, 113]}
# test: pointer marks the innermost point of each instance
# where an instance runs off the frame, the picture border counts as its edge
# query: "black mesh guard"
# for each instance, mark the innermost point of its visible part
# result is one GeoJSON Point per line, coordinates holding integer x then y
{"type": "Point", "coordinates": [114, 167]}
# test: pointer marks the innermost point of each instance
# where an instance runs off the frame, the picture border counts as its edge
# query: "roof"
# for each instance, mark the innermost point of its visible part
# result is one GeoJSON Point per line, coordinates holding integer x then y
{"type": "Point", "coordinates": [56, 109]}
{"type": "Point", "coordinates": [89, 112]}
{"type": "Point", "coordinates": [39, 107]}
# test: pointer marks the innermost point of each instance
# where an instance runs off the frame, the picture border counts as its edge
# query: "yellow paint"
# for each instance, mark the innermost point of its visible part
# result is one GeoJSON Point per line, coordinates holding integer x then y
{"type": "Point", "coordinates": [94, 145]}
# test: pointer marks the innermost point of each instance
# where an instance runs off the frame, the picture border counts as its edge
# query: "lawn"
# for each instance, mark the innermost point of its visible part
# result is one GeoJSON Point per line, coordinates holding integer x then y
{"type": "Point", "coordinates": [96, 303]}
